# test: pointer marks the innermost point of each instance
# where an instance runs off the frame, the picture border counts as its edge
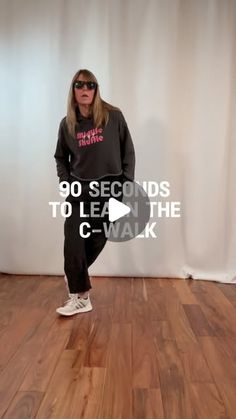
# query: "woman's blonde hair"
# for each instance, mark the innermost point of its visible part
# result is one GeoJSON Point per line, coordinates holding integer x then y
{"type": "Point", "coordinates": [99, 109]}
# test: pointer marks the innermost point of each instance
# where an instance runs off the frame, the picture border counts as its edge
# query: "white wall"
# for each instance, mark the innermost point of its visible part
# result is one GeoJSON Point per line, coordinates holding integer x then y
{"type": "Point", "coordinates": [170, 66]}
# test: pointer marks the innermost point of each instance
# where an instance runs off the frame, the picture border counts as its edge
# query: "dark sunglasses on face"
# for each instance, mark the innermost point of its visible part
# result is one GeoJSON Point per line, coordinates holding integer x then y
{"type": "Point", "coordinates": [91, 85]}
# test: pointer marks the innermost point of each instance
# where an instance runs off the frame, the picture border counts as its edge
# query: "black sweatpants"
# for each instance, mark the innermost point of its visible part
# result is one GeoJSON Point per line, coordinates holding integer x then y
{"type": "Point", "coordinates": [79, 252]}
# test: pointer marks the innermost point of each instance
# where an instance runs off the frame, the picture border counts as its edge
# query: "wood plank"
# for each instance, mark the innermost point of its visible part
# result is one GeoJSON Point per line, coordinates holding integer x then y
{"type": "Point", "coordinates": [144, 360]}
{"type": "Point", "coordinates": [177, 318]}
{"type": "Point", "coordinates": [21, 327]}
{"type": "Point", "coordinates": [147, 404]}
{"type": "Point", "coordinates": [150, 348]}
{"type": "Point", "coordinates": [184, 291]}
{"type": "Point", "coordinates": [229, 292]}
{"type": "Point", "coordinates": [103, 291]}
{"type": "Point", "coordinates": [197, 320]}
{"type": "Point", "coordinates": [117, 392]}
{"type": "Point", "coordinates": [155, 299]}
{"type": "Point", "coordinates": [220, 353]}
{"type": "Point", "coordinates": [122, 302]}
{"type": "Point", "coordinates": [174, 389]}
{"type": "Point", "coordinates": [80, 398]}
{"type": "Point", "coordinates": [65, 374]}
{"type": "Point", "coordinates": [14, 372]}
{"type": "Point", "coordinates": [80, 329]}
{"type": "Point", "coordinates": [85, 402]}
{"type": "Point", "coordinates": [206, 402]}
{"type": "Point", "coordinates": [195, 367]}
{"type": "Point", "coordinates": [219, 312]}
{"type": "Point", "coordinates": [24, 405]}
{"type": "Point", "coordinates": [99, 337]}
{"type": "Point", "coordinates": [42, 367]}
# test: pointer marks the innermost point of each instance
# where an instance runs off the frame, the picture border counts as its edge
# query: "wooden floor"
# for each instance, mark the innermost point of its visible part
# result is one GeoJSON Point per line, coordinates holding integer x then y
{"type": "Point", "coordinates": [151, 348]}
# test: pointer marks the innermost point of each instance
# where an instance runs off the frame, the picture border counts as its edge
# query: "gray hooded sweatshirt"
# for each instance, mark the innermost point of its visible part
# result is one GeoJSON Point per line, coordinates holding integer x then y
{"type": "Point", "coordinates": [95, 153]}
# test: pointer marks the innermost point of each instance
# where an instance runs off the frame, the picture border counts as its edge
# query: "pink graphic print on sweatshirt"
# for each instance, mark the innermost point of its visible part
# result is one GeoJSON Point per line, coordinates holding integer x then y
{"type": "Point", "coordinates": [89, 137]}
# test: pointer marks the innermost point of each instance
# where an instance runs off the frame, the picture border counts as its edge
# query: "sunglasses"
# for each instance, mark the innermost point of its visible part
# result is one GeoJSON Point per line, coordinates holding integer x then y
{"type": "Point", "coordinates": [91, 85]}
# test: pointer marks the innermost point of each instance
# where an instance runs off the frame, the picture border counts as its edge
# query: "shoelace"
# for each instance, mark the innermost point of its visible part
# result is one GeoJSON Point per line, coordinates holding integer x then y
{"type": "Point", "coordinates": [75, 300]}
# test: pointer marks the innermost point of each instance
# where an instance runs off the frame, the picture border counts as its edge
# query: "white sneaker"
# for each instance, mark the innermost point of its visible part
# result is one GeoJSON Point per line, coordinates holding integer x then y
{"type": "Point", "coordinates": [74, 305]}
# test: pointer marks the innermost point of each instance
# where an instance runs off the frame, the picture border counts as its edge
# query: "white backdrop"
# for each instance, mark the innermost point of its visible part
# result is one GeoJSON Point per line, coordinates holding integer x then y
{"type": "Point", "coordinates": [171, 68]}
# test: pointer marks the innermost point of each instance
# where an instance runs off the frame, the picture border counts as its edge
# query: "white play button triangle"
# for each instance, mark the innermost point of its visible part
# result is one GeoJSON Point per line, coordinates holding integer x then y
{"type": "Point", "coordinates": [117, 209]}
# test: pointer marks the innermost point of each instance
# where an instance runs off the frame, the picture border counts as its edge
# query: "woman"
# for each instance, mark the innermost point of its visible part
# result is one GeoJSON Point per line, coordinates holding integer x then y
{"type": "Point", "coordinates": [94, 143]}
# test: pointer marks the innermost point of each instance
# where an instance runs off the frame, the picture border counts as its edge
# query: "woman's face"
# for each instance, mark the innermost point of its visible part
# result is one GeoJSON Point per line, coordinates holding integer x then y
{"type": "Point", "coordinates": [84, 94]}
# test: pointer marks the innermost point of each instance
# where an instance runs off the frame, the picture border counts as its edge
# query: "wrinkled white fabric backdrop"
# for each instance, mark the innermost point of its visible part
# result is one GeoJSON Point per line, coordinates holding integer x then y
{"type": "Point", "coordinates": [170, 66]}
